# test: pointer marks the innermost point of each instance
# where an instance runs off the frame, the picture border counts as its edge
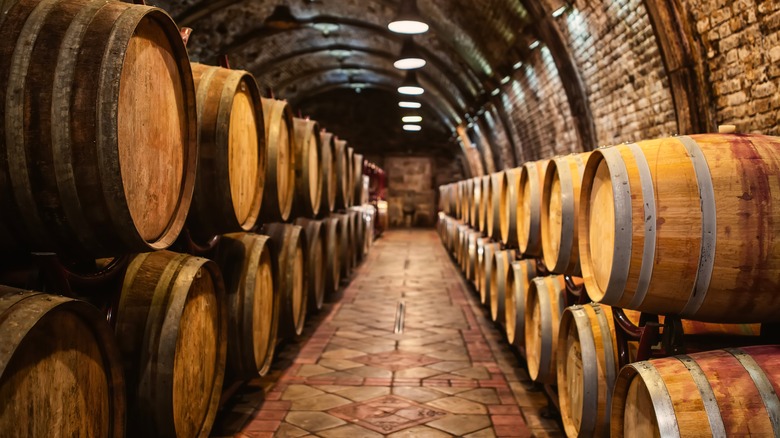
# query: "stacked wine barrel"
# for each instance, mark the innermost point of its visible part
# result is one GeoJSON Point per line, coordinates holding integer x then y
{"type": "Point", "coordinates": [587, 260]}
{"type": "Point", "coordinates": [173, 214]}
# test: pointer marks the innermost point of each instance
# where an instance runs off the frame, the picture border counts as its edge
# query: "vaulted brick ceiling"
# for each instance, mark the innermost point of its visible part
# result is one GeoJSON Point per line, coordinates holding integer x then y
{"type": "Point", "coordinates": [337, 45]}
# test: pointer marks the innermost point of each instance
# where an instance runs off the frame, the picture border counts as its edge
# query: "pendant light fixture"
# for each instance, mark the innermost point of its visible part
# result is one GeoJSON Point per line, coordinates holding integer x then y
{"type": "Point", "coordinates": [411, 119]}
{"type": "Point", "coordinates": [410, 57]}
{"type": "Point", "coordinates": [409, 104]}
{"type": "Point", "coordinates": [412, 128]}
{"type": "Point", "coordinates": [408, 20]}
{"type": "Point", "coordinates": [410, 85]}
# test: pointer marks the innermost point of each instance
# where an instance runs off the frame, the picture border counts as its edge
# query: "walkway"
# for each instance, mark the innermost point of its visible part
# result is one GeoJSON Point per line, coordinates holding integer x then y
{"type": "Point", "coordinates": [448, 373]}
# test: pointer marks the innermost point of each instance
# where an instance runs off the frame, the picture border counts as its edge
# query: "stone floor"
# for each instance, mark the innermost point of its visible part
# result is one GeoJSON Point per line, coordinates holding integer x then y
{"type": "Point", "coordinates": [448, 373]}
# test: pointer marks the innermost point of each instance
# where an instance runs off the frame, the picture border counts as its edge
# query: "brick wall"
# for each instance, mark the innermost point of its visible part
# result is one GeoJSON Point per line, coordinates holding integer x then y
{"type": "Point", "coordinates": [410, 183]}
{"type": "Point", "coordinates": [741, 43]}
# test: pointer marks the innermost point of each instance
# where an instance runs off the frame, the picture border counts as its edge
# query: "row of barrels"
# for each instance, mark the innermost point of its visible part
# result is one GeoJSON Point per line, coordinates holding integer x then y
{"type": "Point", "coordinates": [681, 226]}
{"type": "Point", "coordinates": [113, 141]}
{"type": "Point", "coordinates": [180, 327]}
{"type": "Point", "coordinates": [728, 387]}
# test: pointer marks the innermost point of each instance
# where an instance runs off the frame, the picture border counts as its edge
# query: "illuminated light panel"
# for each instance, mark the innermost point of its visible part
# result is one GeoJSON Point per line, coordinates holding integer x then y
{"type": "Point", "coordinates": [411, 119]}
{"type": "Point", "coordinates": [411, 90]}
{"type": "Point", "coordinates": [407, 104]}
{"type": "Point", "coordinates": [408, 27]}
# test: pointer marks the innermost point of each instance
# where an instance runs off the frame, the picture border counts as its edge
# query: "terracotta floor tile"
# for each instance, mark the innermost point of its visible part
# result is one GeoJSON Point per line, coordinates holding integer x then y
{"type": "Point", "coordinates": [416, 373]}
{"type": "Point", "coordinates": [458, 405]}
{"type": "Point", "coordinates": [350, 431]}
{"type": "Point", "coordinates": [296, 392]}
{"type": "Point", "coordinates": [313, 370]}
{"type": "Point", "coordinates": [418, 394]}
{"type": "Point", "coordinates": [460, 425]}
{"type": "Point", "coordinates": [287, 430]}
{"type": "Point", "coordinates": [313, 421]}
{"type": "Point", "coordinates": [419, 432]}
{"type": "Point", "coordinates": [484, 433]}
{"type": "Point", "coordinates": [338, 364]}
{"type": "Point", "coordinates": [361, 393]}
{"type": "Point", "coordinates": [319, 403]}
{"type": "Point", "coordinates": [487, 396]}
{"type": "Point", "coordinates": [387, 414]}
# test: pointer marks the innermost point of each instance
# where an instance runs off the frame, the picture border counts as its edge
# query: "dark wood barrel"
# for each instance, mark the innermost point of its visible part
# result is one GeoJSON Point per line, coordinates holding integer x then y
{"type": "Point", "coordinates": [171, 315]}
{"type": "Point", "coordinates": [357, 176]}
{"type": "Point", "coordinates": [345, 224]}
{"type": "Point", "coordinates": [333, 242]}
{"type": "Point", "coordinates": [101, 139]}
{"type": "Point", "coordinates": [308, 168]}
{"type": "Point", "coordinates": [560, 211]}
{"type": "Point", "coordinates": [60, 370]}
{"type": "Point", "coordinates": [328, 172]}
{"type": "Point", "coordinates": [501, 283]}
{"type": "Point", "coordinates": [316, 260]}
{"type": "Point", "coordinates": [280, 163]}
{"type": "Point", "coordinates": [231, 166]}
{"type": "Point", "coordinates": [509, 208]}
{"type": "Point", "coordinates": [518, 281]}
{"type": "Point", "coordinates": [543, 309]}
{"type": "Point", "coordinates": [290, 251]}
{"type": "Point", "coordinates": [342, 175]}
{"type": "Point", "coordinates": [355, 236]}
{"type": "Point", "coordinates": [247, 266]}
{"type": "Point", "coordinates": [350, 175]}
{"type": "Point", "coordinates": [529, 208]}
{"type": "Point", "coordinates": [731, 392]}
{"type": "Point", "coordinates": [361, 235]}
{"type": "Point", "coordinates": [684, 226]}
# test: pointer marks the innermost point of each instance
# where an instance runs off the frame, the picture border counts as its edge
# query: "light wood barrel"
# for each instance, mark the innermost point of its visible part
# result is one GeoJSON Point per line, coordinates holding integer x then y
{"type": "Point", "coordinates": [172, 316]}
{"type": "Point", "coordinates": [510, 208]}
{"type": "Point", "coordinates": [684, 226]}
{"type": "Point", "coordinates": [290, 251]}
{"type": "Point", "coordinates": [476, 205]}
{"type": "Point", "coordinates": [560, 208]}
{"type": "Point", "coordinates": [280, 162]}
{"type": "Point", "coordinates": [486, 277]}
{"type": "Point", "coordinates": [543, 308]}
{"type": "Point", "coordinates": [500, 283]}
{"type": "Point", "coordinates": [329, 174]}
{"type": "Point", "coordinates": [467, 198]}
{"type": "Point", "coordinates": [471, 261]}
{"type": "Point", "coordinates": [350, 175]}
{"type": "Point", "coordinates": [316, 260]}
{"type": "Point", "coordinates": [101, 148]}
{"type": "Point", "coordinates": [357, 179]}
{"type": "Point", "coordinates": [489, 188]}
{"type": "Point", "coordinates": [529, 208]}
{"type": "Point", "coordinates": [484, 203]}
{"type": "Point", "coordinates": [518, 281]}
{"type": "Point", "coordinates": [498, 182]}
{"type": "Point", "coordinates": [342, 175]}
{"type": "Point", "coordinates": [60, 369]}
{"type": "Point", "coordinates": [308, 168]}
{"type": "Point", "coordinates": [730, 392]}
{"type": "Point", "coordinates": [247, 264]}
{"type": "Point", "coordinates": [229, 185]}
{"type": "Point", "coordinates": [333, 242]}
{"type": "Point", "coordinates": [355, 236]}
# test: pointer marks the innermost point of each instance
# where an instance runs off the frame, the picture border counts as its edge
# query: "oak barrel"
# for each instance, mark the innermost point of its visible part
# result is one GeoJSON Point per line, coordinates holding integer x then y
{"type": "Point", "coordinates": [247, 265]}
{"type": "Point", "coordinates": [510, 208]}
{"type": "Point", "coordinates": [484, 203]}
{"type": "Point", "coordinates": [60, 369]}
{"type": "Point", "coordinates": [560, 208]}
{"type": "Point", "coordinates": [350, 176]}
{"type": "Point", "coordinates": [345, 225]}
{"type": "Point", "coordinates": [333, 242]}
{"type": "Point", "coordinates": [467, 198]}
{"type": "Point", "coordinates": [357, 179]}
{"type": "Point", "coordinates": [231, 166]}
{"type": "Point", "coordinates": [498, 183]}
{"type": "Point", "coordinates": [486, 276]}
{"type": "Point", "coordinates": [99, 129]}
{"type": "Point", "coordinates": [355, 236]}
{"type": "Point", "coordinates": [328, 172]}
{"type": "Point", "coordinates": [290, 251]}
{"type": "Point", "coordinates": [518, 281]}
{"type": "Point", "coordinates": [471, 256]}
{"type": "Point", "coordinates": [529, 208]}
{"type": "Point", "coordinates": [500, 284]}
{"type": "Point", "coordinates": [684, 226]}
{"type": "Point", "coordinates": [171, 315]}
{"type": "Point", "coordinates": [316, 261]}
{"type": "Point", "coordinates": [489, 198]}
{"type": "Point", "coordinates": [308, 168]}
{"type": "Point", "coordinates": [280, 162]}
{"type": "Point", "coordinates": [476, 205]}
{"type": "Point", "coordinates": [342, 175]}
{"type": "Point", "coordinates": [731, 392]}
{"type": "Point", "coordinates": [544, 303]}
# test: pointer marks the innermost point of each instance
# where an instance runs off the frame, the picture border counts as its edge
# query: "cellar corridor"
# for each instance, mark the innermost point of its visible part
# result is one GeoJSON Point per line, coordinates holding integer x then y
{"type": "Point", "coordinates": [447, 372]}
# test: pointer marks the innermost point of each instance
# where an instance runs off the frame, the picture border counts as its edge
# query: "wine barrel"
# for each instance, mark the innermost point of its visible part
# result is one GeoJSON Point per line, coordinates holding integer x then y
{"type": "Point", "coordinates": [357, 176]}
{"type": "Point", "coordinates": [560, 208]}
{"type": "Point", "coordinates": [308, 168]}
{"type": "Point", "coordinates": [486, 277]}
{"type": "Point", "coordinates": [229, 184]}
{"type": "Point", "coordinates": [60, 370]}
{"type": "Point", "coordinates": [342, 175]}
{"type": "Point", "coordinates": [518, 280]}
{"type": "Point", "coordinates": [280, 161]}
{"type": "Point", "coordinates": [316, 261]}
{"type": "Point", "coordinates": [355, 237]}
{"type": "Point", "coordinates": [500, 284]}
{"type": "Point", "coordinates": [329, 175]}
{"type": "Point", "coordinates": [654, 237]}
{"type": "Point", "coordinates": [345, 226]}
{"type": "Point", "coordinates": [290, 251]}
{"type": "Point", "coordinates": [510, 208]}
{"type": "Point", "coordinates": [489, 199]}
{"type": "Point", "coordinates": [170, 317]}
{"type": "Point", "coordinates": [471, 262]}
{"type": "Point", "coordinates": [369, 219]}
{"type": "Point", "coordinates": [99, 128]}
{"type": "Point", "coordinates": [731, 392]}
{"type": "Point", "coordinates": [543, 308]}
{"type": "Point", "coordinates": [498, 184]}
{"type": "Point", "coordinates": [479, 261]}
{"type": "Point", "coordinates": [476, 205]}
{"type": "Point", "coordinates": [463, 257]}
{"type": "Point", "coordinates": [333, 242]}
{"type": "Point", "coordinates": [350, 175]}
{"type": "Point", "coordinates": [467, 198]}
{"type": "Point", "coordinates": [484, 204]}
{"type": "Point", "coordinates": [247, 266]}
{"type": "Point", "coordinates": [529, 214]}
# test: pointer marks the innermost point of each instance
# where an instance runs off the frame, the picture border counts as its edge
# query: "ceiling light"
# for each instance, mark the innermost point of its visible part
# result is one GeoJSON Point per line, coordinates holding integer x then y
{"type": "Point", "coordinates": [495, 92]}
{"type": "Point", "coordinates": [410, 57]}
{"type": "Point", "coordinates": [534, 45]}
{"type": "Point", "coordinates": [411, 119]}
{"type": "Point", "coordinates": [558, 12]}
{"type": "Point", "coordinates": [412, 128]}
{"type": "Point", "coordinates": [409, 104]}
{"type": "Point", "coordinates": [408, 20]}
{"type": "Point", "coordinates": [326, 28]}
{"type": "Point", "coordinates": [505, 80]}
{"type": "Point", "coordinates": [410, 85]}
{"type": "Point", "coordinates": [517, 65]}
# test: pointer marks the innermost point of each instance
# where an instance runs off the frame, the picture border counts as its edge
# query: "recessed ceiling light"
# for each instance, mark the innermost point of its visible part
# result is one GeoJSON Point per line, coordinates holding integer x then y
{"type": "Point", "coordinates": [412, 128]}
{"type": "Point", "coordinates": [411, 119]}
{"type": "Point", "coordinates": [495, 92]}
{"type": "Point", "coordinates": [534, 45]}
{"type": "Point", "coordinates": [505, 80]}
{"type": "Point", "coordinates": [409, 63]}
{"type": "Point", "coordinates": [558, 12]}
{"type": "Point", "coordinates": [409, 104]}
{"type": "Point", "coordinates": [517, 65]}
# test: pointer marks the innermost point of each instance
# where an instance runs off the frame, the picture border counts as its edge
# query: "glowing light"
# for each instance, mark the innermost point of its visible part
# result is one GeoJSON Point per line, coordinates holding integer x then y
{"type": "Point", "coordinates": [411, 90]}
{"type": "Point", "coordinates": [534, 45]}
{"type": "Point", "coordinates": [558, 12]}
{"type": "Point", "coordinates": [408, 104]}
{"type": "Point", "coordinates": [412, 128]}
{"type": "Point", "coordinates": [411, 119]}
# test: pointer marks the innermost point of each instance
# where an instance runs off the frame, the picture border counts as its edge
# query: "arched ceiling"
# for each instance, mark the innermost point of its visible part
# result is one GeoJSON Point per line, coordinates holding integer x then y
{"type": "Point", "coordinates": [329, 48]}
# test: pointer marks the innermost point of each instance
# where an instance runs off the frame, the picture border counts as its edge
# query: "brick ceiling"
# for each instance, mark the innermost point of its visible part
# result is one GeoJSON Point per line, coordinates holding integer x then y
{"type": "Point", "coordinates": [339, 44]}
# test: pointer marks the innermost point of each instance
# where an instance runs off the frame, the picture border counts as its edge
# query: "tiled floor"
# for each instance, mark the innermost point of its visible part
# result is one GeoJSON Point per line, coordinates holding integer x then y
{"type": "Point", "coordinates": [449, 373]}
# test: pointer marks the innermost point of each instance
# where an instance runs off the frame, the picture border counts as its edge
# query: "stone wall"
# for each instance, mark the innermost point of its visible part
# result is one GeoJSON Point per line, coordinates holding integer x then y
{"type": "Point", "coordinates": [410, 190]}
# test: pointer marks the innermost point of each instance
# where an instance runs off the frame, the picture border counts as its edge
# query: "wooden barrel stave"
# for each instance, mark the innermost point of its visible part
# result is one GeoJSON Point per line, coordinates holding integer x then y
{"type": "Point", "coordinates": [510, 208]}
{"type": "Point", "coordinates": [329, 172]}
{"type": "Point", "coordinates": [279, 190]}
{"type": "Point", "coordinates": [316, 261]}
{"type": "Point", "coordinates": [333, 239]}
{"type": "Point", "coordinates": [543, 309]}
{"type": "Point", "coordinates": [308, 168]}
{"type": "Point", "coordinates": [357, 179]}
{"type": "Point", "coordinates": [500, 283]}
{"type": "Point", "coordinates": [290, 250]}
{"type": "Point", "coordinates": [519, 279]}
{"type": "Point", "coordinates": [529, 208]}
{"type": "Point", "coordinates": [486, 276]}
{"type": "Point", "coordinates": [342, 175]}
{"type": "Point", "coordinates": [476, 206]}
